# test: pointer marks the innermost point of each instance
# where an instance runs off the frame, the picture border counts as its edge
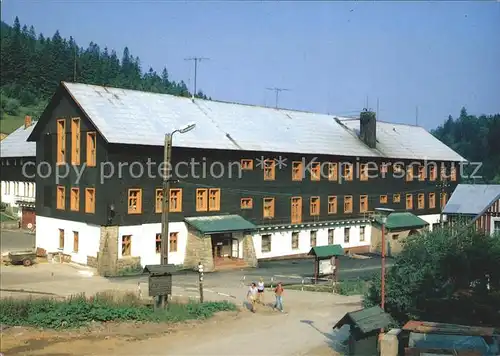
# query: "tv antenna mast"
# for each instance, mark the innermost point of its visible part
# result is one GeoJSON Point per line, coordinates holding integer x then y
{"type": "Point", "coordinates": [277, 91]}
{"type": "Point", "coordinates": [196, 60]}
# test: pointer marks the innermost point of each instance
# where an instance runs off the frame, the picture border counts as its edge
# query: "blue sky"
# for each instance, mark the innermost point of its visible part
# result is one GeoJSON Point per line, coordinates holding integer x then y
{"type": "Point", "coordinates": [438, 56]}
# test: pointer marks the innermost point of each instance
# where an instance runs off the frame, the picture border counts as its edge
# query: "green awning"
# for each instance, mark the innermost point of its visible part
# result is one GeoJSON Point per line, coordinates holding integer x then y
{"type": "Point", "coordinates": [219, 224]}
{"type": "Point", "coordinates": [366, 320]}
{"type": "Point", "coordinates": [404, 220]}
{"type": "Point", "coordinates": [327, 251]}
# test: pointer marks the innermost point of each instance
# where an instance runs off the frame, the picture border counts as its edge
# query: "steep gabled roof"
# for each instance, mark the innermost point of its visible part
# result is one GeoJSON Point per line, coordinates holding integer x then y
{"type": "Point", "coordinates": [472, 199]}
{"type": "Point", "coordinates": [140, 118]}
{"type": "Point", "coordinates": [16, 144]}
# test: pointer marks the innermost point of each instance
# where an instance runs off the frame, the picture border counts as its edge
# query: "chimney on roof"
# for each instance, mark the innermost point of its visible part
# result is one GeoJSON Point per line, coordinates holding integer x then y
{"type": "Point", "coordinates": [27, 121]}
{"type": "Point", "coordinates": [368, 128]}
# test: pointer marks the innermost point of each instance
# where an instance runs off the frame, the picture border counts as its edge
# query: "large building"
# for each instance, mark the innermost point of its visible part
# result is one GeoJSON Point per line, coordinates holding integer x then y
{"type": "Point", "coordinates": [477, 204]}
{"type": "Point", "coordinates": [17, 158]}
{"type": "Point", "coordinates": [250, 182]}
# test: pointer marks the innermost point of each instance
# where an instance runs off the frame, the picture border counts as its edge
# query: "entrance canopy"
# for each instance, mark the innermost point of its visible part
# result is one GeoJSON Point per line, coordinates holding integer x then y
{"type": "Point", "coordinates": [403, 221]}
{"type": "Point", "coordinates": [208, 225]}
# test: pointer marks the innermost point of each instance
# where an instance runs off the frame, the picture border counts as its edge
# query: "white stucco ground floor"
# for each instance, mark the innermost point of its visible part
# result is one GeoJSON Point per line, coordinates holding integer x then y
{"type": "Point", "coordinates": [13, 192]}
{"type": "Point", "coordinates": [81, 240]}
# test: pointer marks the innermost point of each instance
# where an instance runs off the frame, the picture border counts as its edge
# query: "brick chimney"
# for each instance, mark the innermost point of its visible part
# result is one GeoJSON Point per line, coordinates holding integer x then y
{"type": "Point", "coordinates": [27, 121]}
{"type": "Point", "coordinates": [368, 128]}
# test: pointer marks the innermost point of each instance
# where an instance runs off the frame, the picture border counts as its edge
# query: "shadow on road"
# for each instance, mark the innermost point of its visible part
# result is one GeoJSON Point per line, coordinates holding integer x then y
{"type": "Point", "coordinates": [337, 340]}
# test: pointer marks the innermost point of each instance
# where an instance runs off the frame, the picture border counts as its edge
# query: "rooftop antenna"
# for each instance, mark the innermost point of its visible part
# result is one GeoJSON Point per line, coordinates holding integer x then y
{"type": "Point", "coordinates": [195, 60]}
{"type": "Point", "coordinates": [366, 106]}
{"type": "Point", "coordinates": [277, 91]}
{"type": "Point", "coordinates": [74, 69]}
{"type": "Point", "coordinates": [416, 116]}
{"type": "Point", "coordinates": [377, 109]}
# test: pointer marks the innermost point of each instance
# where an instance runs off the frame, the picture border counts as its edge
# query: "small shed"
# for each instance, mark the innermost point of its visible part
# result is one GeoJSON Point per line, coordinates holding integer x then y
{"type": "Point", "coordinates": [365, 326]}
{"type": "Point", "coordinates": [321, 253]}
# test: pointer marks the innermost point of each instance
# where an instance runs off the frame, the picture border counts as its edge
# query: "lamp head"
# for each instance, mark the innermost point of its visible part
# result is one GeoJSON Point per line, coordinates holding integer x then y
{"type": "Point", "coordinates": [187, 128]}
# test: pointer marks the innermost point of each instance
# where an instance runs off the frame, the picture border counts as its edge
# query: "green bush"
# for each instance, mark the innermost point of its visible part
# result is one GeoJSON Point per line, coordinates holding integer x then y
{"type": "Point", "coordinates": [104, 307]}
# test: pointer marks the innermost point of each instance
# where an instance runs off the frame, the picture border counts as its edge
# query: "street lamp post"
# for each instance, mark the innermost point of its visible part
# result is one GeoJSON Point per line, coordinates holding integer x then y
{"type": "Point", "coordinates": [166, 190]}
{"type": "Point", "coordinates": [384, 212]}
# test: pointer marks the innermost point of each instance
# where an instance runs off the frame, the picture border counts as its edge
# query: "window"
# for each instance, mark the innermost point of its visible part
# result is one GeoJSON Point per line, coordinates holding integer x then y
{"type": "Point", "coordinates": [269, 169]}
{"type": "Point", "coordinates": [75, 199]}
{"type": "Point", "coordinates": [175, 204]}
{"type": "Point", "coordinates": [134, 201]}
{"type": "Point", "coordinates": [396, 198]}
{"type": "Point", "coordinates": [266, 243]}
{"type": "Point", "coordinates": [496, 227]}
{"type": "Point", "coordinates": [313, 238]}
{"type": "Point", "coordinates": [297, 171]}
{"type": "Point", "coordinates": [347, 171]}
{"type": "Point", "coordinates": [432, 200]}
{"type": "Point", "coordinates": [443, 172]}
{"type": "Point", "coordinates": [384, 167]}
{"type": "Point", "coordinates": [348, 204]}
{"type": "Point", "coordinates": [361, 233]}
{"type": "Point", "coordinates": [201, 199]}
{"type": "Point", "coordinates": [315, 171]}
{"type": "Point", "coordinates": [347, 234]}
{"type": "Point", "coordinates": [332, 204]}
{"type": "Point", "coordinates": [246, 203]}
{"type": "Point", "coordinates": [89, 200]}
{"type": "Point", "coordinates": [421, 173]}
{"type": "Point", "coordinates": [331, 235]}
{"type": "Point", "coordinates": [158, 243]}
{"type": "Point", "coordinates": [421, 201]}
{"type": "Point", "coordinates": [409, 173]}
{"type": "Point", "coordinates": [383, 199]}
{"type": "Point", "coordinates": [61, 141]}
{"type": "Point", "coordinates": [172, 242]}
{"type": "Point", "coordinates": [159, 200]}
{"type": "Point", "coordinates": [61, 239]}
{"type": "Point", "coordinates": [247, 164]}
{"type": "Point", "coordinates": [363, 172]}
{"type": "Point", "coordinates": [333, 172]}
{"type": "Point", "coordinates": [314, 206]}
{"type": "Point", "coordinates": [409, 201]}
{"type": "Point", "coordinates": [213, 199]}
{"type": "Point", "coordinates": [433, 173]}
{"type": "Point", "coordinates": [398, 168]}
{"type": "Point", "coordinates": [75, 241]}
{"type": "Point", "coordinates": [126, 245]}
{"type": "Point", "coordinates": [61, 197]}
{"type": "Point", "coordinates": [295, 240]}
{"type": "Point", "coordinates": [268, 208]}
{"type": "Point", "coordinates": [91, 149]}
{"type": "Point", "coordinates": [75, 141]}
{"type": "Point", "coordinates": [444, 199]}
{"type": "Point", "coordinates": [453, 174]}
{"type": "Point", "coordinates": [363, 203]}
{"type": "Point", "coordinates": [296, 210]}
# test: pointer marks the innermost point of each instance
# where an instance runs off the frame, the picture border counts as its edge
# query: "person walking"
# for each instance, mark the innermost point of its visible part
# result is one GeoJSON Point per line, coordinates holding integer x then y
{"type": "Point", "coordinates": [260, 290]}
{"type": "Point", "coordinates": [278, 291]}
{"type": "Point", "coordinates": [252, 296]}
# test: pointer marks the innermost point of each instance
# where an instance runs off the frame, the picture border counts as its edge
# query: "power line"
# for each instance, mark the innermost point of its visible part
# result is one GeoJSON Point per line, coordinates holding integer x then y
{"type": "Point", "coordinates": [277, 91]}
{"type": "Point", "coordinates": [196, 60]}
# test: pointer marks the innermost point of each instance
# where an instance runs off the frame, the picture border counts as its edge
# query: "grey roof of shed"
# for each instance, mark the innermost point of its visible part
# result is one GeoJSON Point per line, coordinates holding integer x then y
{"type": "Point", "coordinates": [472, 199]}
{"type": "Point", "coordinates": [15, 144]}
{"type": "Point", "coordinates": [135, 117]}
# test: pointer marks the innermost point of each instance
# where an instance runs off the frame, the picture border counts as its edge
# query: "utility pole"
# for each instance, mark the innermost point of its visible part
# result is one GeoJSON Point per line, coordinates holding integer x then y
{"type": "Point", "coordinates": [200, 272]}
{"type": "Point", "coordinates": [166, 201]}
{"type": "Point", "coordinates": [195, 60]}
{"type": "Point", "coordinates": [277, 91]}
{"type": "Point", "coordinates": [442, 185]}
{"type": "Point", "coordinates": [377, 108]}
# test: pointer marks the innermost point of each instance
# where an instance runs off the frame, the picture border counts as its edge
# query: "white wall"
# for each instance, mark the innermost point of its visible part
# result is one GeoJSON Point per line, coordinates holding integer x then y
{"type": "Point", "coordinates": [144, 242]}
{"type": "Point", "coordinates": [47, 237]}
{"type": "Point", "coordinates": [281, 241]}
{"type": "Point", "coordinates": [431, 219]}
{"type": "Point", "coordinates": [12, 191]}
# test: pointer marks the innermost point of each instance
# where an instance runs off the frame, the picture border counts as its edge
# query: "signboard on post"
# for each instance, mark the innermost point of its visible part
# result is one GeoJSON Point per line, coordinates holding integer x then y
{"type": "Point", "coordinates": [160, 279]}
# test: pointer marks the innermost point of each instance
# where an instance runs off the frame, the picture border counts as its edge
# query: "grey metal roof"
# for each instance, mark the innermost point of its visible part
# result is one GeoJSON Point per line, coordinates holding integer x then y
{"type": "Point", "coordinates": [15, 144]}
{"type": "Point", "coordinates": [472, 199]}
{"type": "Point", "coordinates": [135, 117]}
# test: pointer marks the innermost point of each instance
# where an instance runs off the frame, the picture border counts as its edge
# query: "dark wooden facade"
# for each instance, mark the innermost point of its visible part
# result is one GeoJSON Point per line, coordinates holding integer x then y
{"type": "Point", "coordinates": [482, 223]}
{"type": "Point", "coordinates": [114, 190]}
{"type": "Point", "coordinates": [12, 169]}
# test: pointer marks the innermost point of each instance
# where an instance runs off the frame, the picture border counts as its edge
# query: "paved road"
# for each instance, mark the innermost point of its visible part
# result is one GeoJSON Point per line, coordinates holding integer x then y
{"type": "Point", "coordinates": [15, 240]}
